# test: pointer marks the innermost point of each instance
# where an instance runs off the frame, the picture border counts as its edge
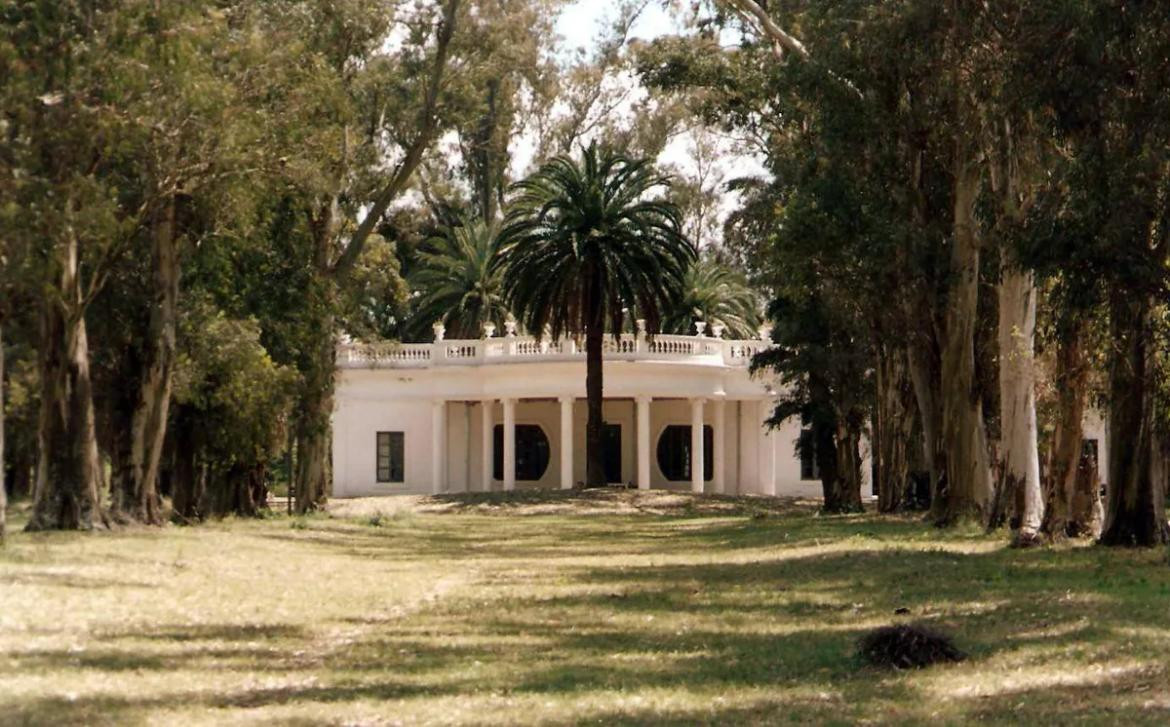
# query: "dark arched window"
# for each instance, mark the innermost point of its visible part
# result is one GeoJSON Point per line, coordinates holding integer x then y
{"type": "Point", "coordinates": [674, 453]}
{"type": "Point", "coordinates": [532, 452]}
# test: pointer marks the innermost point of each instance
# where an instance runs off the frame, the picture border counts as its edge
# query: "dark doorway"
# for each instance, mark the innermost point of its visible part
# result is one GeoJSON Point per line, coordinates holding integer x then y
{"type": "Point", "coordinates": [611, 451]}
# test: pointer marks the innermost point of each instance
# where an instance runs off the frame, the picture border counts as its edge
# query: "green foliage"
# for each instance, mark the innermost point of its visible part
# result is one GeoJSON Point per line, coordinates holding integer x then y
{"type": "Point", "coordinates": [460, 279]}
{"type": "Point", "coordinates": [717, 294]}
{"type": "Point", "coordinates": [585, 245]}
{"type": "Point", "coordinates": [230, 387]}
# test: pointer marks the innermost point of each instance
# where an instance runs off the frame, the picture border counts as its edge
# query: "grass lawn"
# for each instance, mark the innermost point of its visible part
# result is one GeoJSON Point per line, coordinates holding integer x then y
{"type": "Point", "coordinates": [555, 609]}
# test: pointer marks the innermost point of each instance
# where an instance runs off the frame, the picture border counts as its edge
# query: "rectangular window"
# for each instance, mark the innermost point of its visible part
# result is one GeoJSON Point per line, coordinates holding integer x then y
{"type": "Point", "coordinates": [391, 457]}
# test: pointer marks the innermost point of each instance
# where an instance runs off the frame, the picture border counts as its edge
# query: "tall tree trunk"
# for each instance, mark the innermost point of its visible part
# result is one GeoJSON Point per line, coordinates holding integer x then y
{"type": "Point", "coordinates": [1019, 446]}
{"type": "Point", "coordinates": [594, 461]}
{"type": "Point", "coordinates": [1072, 379]}
{"type": "Point", "coordinates": [66, 492]}
{"type": "Point", "coordinates": [149, 423]}
{"type": "Point", "coordinates": [188, 493]}
{"type": "Point", "coordinates": [847, 483]}
{"type": "Point", "coordinates": [894, 424]}
{"type": "Point", "coordinates": [968, 484]}
{"type": "Point", "coordinates": [3, 470]}
{"type": "Point", "coordinates": [313, 426]}
{"type": "Point", "coordinates": [825, 444]}
{"type": "Point", "coordinates": [1135, 515]}
{"type": "Point", "coordinates": [925, 375]}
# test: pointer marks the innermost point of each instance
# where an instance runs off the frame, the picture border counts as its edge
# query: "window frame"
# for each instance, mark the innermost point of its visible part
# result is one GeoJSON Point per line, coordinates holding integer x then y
{"type": "Point", "coordinates": [685, 444]}
{"type": "Point", "coordinates": [388, 478]}
{"type": "Point", "coordinates": [498, 452]}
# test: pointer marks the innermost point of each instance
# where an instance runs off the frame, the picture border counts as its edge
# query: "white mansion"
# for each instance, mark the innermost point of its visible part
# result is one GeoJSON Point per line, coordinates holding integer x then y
{"type": "Point", "coordinates": [503, 413]}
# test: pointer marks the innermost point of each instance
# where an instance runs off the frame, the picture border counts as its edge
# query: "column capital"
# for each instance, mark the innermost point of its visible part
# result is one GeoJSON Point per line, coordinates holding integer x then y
{"type": "Point", "coordinates": [566, 399]}
{"type": "Point", "coordinates": [643, 398]}
{"type": "Point", "coordinates": [698, 400]}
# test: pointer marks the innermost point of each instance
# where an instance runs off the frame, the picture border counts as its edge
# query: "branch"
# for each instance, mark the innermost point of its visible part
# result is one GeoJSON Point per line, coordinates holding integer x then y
{"type": "Point", "coordinates": [414, 153]}
{"type": "Point", "coordinates": [769, 26]}
{"type": "Point", "coordinates": [781, 39]}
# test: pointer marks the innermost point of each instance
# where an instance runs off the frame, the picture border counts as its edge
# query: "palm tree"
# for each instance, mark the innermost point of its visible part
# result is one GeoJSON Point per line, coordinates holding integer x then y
{"type": "Point", "coordinates": [584, 241]}
{"type": "Point", "coordinates": [715, 293]}
{"type": "Point", "coordinates": [462, 274]}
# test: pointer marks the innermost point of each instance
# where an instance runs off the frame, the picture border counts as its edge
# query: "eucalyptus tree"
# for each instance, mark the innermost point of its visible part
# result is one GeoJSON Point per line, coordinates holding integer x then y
{"type": "Point", "coordinates": [584, 242]}
{"type": "Point", "coordinates": [460, 276]}
{"type": "Point", "coordinates": [719, 295]}
{"type": "Point", "coordinates": [357, 114]}
{"type": "Point", "coordinates": [1104, 231]}
{"type": "Point", "coordinates": [233, 404]}
{"type": "Point", "coordinates": [65, 71]}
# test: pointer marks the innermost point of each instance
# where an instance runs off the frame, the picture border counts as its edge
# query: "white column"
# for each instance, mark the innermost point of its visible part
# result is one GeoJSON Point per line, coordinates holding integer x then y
{"type": "Point", "coordinates": [719, 432]}
{"type": "Point", "coordinates": [696, 445]}
{"type": "Point", "coordinates": [643, 444]}
{"type": "Point", "coordinates": [438, 446]}
{"type": "Point", "coordinates": [509, 444]}
{"type": "Point", "coordinates": [767, 450]}
{"type": "Point", "coordinates": [566, 442]}
{"type": "Point", "coordinates": [487, 425]}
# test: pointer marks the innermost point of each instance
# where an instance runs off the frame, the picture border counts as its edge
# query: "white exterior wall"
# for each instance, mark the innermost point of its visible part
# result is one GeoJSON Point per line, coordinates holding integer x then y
{"type": "Point", "coordinates": [355, 427]}
{"type": "Point", "coordinates": [373, 397]}
{"type": "Point", "coordinates": [358, 419]}
{"type": "Point", "coordinates": [1094, 428]}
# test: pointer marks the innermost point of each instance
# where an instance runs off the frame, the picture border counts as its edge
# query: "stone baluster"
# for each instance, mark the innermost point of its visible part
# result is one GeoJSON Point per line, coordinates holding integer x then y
{"type": "Point", "coordinates": [438, 348]}
{"type": "Point", "coordinates": [510, 336]}
{"type": "Point", "coordinates": [489, 330]}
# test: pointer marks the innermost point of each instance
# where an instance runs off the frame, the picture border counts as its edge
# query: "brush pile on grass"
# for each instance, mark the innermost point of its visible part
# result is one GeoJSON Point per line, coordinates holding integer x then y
{"type": "Point", "coordinates": [907, 646]}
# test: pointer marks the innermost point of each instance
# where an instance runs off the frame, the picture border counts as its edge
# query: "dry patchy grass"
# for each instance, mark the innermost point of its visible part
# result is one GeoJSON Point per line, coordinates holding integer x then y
{"type": "Point", "coordinates": [564, 608]}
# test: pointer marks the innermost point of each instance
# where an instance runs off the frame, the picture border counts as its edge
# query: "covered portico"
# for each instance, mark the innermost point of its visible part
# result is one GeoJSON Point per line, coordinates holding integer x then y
{"type": "Point", "coordinates": [507, 413]}
{"type": "Point", "coordinates": [641, 433]}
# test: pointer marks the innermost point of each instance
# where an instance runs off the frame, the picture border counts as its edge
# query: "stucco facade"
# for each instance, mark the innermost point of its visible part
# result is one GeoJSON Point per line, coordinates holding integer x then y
{"type": "Point", "coordinates": [446, 399]}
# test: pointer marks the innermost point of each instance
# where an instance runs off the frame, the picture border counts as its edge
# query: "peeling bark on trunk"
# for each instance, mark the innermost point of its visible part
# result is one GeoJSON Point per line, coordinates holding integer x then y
{"type": "Point", "coordinates": [847, 483]}
{"type": "Point", "coordinates": [3, 470]}
{"type": "Point", "coordinates": [1135, 515]}
{"type": "Point", "coordinates": [968, 484]}
{"type": "Point", "coordinates": [893, 427]}
{"type": "Point", "coordinates": [1065, 483]}
{"type": "Point", "coordinates": [313, 427]}
{"type": "Point", "coordinates": [925, 376]}
{"type": "Point", "coordinates": [149, 424]}
{"type": "Point", "coordinates": [313, 446]}
{"type": "Point", "coordinates": [1019, 448]}
{"type": "Point", "coordinates": [66, 491]}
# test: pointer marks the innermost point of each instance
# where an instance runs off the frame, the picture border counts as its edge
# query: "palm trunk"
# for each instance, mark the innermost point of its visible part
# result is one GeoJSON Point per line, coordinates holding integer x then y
{"type": "Point", "coordinates": [1072, 377]}
{"type": "Point", "coordinates": [1019, 448]}
{"type": "Point", "coordinates": [66, 491]}
{"type": "Point", "coordinates": [149, 424]}
{"type": "Point", "coordinates": [1135, 515]}
{"type": "Point", "coordinates": [968, 486]}
{"type": "Point", "coordinates": [594, 462]}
